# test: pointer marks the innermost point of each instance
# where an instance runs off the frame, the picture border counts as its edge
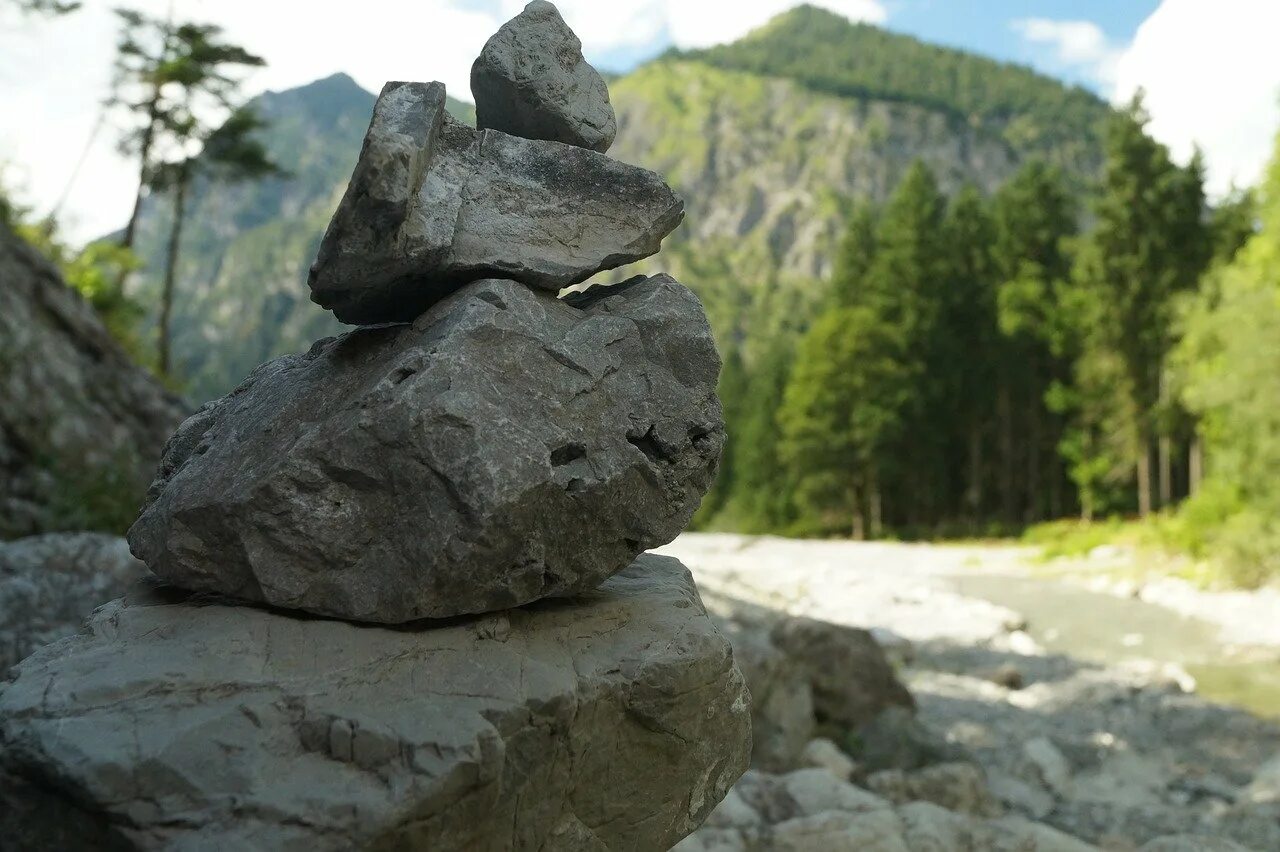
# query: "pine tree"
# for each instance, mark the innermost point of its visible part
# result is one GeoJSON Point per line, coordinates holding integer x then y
{"type": "Point", "coordinates": [1034, 216]}
{"type": "Point", "coordinates": [842, 407]}
{"type": "Point", "coordinates": [969, 335]}
{"type": "Point", "coordinates": [1148, 245]}
{"type": "Point", "coordinates": [761, 498]}
{"type": "Point", "coordinates": [856, 253]}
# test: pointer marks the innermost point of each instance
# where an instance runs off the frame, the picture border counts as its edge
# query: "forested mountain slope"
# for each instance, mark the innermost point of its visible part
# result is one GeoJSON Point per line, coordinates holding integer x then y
{"type": "Point", "coordinates": [769, 151]}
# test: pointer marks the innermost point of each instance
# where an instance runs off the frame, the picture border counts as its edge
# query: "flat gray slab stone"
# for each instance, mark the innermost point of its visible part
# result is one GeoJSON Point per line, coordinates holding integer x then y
{"type": "Point", "coordinates": [615, 721]}
{"type": "Point", "coordinates": [531, 80]}
{"type": "Point", "coordinates": [434, 204]}
{"type": "Point", "coordinates": [506, 447]}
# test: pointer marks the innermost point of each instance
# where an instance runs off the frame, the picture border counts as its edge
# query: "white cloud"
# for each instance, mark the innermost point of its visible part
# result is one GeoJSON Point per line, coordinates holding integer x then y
{"type": "Point", "coordinates": [1081, 45]}
{"type": "Point", "coordinates": [1211, 72]}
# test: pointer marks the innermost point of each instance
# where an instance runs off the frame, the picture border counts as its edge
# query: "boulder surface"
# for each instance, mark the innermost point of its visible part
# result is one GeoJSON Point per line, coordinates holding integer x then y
{"type": "Point", "coordinates": [51, 583]}
{"type": "Point", "coordinates": [506, 447]}
{"type": "Point", "coordinates": [615, 721]}
{"type": "Point", "coordinates": [434, 204]}
{"type": "Point", "coordinates": [532, 81]}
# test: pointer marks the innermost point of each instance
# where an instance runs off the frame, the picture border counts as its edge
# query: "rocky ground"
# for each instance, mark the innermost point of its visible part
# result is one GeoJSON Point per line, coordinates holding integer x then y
{"type": "Point", "coordinates": [1023, 748]}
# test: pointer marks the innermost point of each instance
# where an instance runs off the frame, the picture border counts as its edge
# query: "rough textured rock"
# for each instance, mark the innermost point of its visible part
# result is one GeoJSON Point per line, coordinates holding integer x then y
{"type": "Point", "coordinates": [508, 446]}
{"type": "Point", "coordinates": [782, 720]}
{"type": "Point", "coordinates": [957, 787]}
{"type": "Point", "coordinates": [81, 427]}
{"type": "Point", "coordinates": [433, 204]}
{"type": "Point", "coordinates": [806, 675]}
{"type": "Point", "coordinates": [617, 721]}
{"type": "Point", "coordinates": [51, 583]}
{"type": "Point", "coordinates": [531, 80]}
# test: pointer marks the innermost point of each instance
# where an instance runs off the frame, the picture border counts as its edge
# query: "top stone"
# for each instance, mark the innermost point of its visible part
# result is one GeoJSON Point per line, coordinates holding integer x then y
{"type": "Point", "coordinates": [532, 81]}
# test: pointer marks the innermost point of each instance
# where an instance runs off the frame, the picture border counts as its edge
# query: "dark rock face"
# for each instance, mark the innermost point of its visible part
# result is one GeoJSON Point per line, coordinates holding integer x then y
{"type": "Point", "coordinates": [507, 446]}
{"type": "Point", "coordinates": [434, 204]}
{"type": "Point", "coordinates": [51, 583]}
{"type": "Point", "coordinates": [176, 722]}
{"type": "Point", "coordinates": [81, 427]}
{"type": "Point", "coordinates": [532, 81]}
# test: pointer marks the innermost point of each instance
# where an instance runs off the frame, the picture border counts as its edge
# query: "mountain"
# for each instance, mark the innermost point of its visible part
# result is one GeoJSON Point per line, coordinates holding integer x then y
{"type": "Point", "coordinates": [769, 139]}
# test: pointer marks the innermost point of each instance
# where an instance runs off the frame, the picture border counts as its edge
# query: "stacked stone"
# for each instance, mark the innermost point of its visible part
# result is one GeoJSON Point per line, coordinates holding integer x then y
{"type": "Point", "coordinates": [478, 446]}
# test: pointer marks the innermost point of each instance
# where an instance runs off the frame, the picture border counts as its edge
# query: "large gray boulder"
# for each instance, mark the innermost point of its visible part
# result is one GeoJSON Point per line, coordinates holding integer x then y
{"type": "Point", "coordinates": [617, 721]}
{"type": "Point", "coordinates": [434, 204]}
{"type": "Point", "coordinates": [51, 583]}
{"type": "Point", "coordinates": [532, 81]}
{"type": "Point", "coordinates": [507, 446]}
{"type": "Point", "coordinates": [81, 426]}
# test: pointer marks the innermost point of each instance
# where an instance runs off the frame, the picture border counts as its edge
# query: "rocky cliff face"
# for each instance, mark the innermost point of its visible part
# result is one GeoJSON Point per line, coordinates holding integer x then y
{"type": "Point", "coordinates": [81, 427]}
{"type": "Point", "coordinates": [770, 171]}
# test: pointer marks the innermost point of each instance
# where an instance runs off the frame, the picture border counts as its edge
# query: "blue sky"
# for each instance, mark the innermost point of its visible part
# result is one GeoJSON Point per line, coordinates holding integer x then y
{"type": "Point", "coordinates": [990, 27]}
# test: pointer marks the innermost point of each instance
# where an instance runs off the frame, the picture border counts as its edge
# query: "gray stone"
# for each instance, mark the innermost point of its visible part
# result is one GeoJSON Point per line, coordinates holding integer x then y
{"type": "Point", "coordinates": [822, 753]}
{"type": "Point", "coordinates": [1192, 843]}
{"type": "Point", "coordinates": [851, 678]}
{"type": "Point", "coordinates": [958, 787]}
{"type": "Point", "coordinates": [434, 204]}
{"type": "Point", "coordinates": [1049, 764]}
{"type": "Point", "coordinates": [812, 811]}
{"type": "Point", "coordinates": [531, 80]}
{"type": "Point", "coordinates": [617, 721]}
{"type": "Point", "coordinates": [507, 446]}
{"type": "Point", "coordinates": [896, 739]}
{"type": "Point", "coordinates": [81, 426]}
{"type": "Point", "coordinates": [782, 720]}
{"type": "Point", "coordinates": [51, 583]}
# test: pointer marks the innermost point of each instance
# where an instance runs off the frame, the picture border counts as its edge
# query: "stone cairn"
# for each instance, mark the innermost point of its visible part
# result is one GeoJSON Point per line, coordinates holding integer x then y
{"type": "Point", "coordinates": [440, 515]}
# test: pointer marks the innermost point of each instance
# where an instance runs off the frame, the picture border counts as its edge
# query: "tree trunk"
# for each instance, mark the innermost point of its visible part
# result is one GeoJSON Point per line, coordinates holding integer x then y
{"type": "Point", "coordinates": [973, 495]}
{"type": "Point", "coordinates": [859, 525]}
{"type": "Point", "coordinates": [876, 510]}
{"type": "Point", "coordinates": [171, 266]}
{"type": "Point", "coordinates": [144, 157]}
{"type": "Point", "coordinates": [1195, 466]}
{"type": "Point", "coordinates": [1032, 513]}
{"type": "Point", "coordinates": [1004, 413]}
{"type": "Point", "coordinates": [1144, 477]}
{"type": "Point", "coordinates": [1166, 470]}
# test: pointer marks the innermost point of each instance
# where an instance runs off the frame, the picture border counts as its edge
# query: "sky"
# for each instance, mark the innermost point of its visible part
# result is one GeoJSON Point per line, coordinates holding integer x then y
{"type": "Point", "coordinates": [1209, 68]}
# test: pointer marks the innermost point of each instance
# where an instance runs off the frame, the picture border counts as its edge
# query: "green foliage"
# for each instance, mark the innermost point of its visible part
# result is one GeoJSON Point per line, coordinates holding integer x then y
{"type": "Point", "coordinates": [1149, 244]}
{"type": "Point", "coordinates": [844, 403]}
{"type": "Point", "coordinates": [1229, 361]}
{"type": "Point", "coordinates": [757, 494]}
{"type": "Point", "coordinates": [96, 271]}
